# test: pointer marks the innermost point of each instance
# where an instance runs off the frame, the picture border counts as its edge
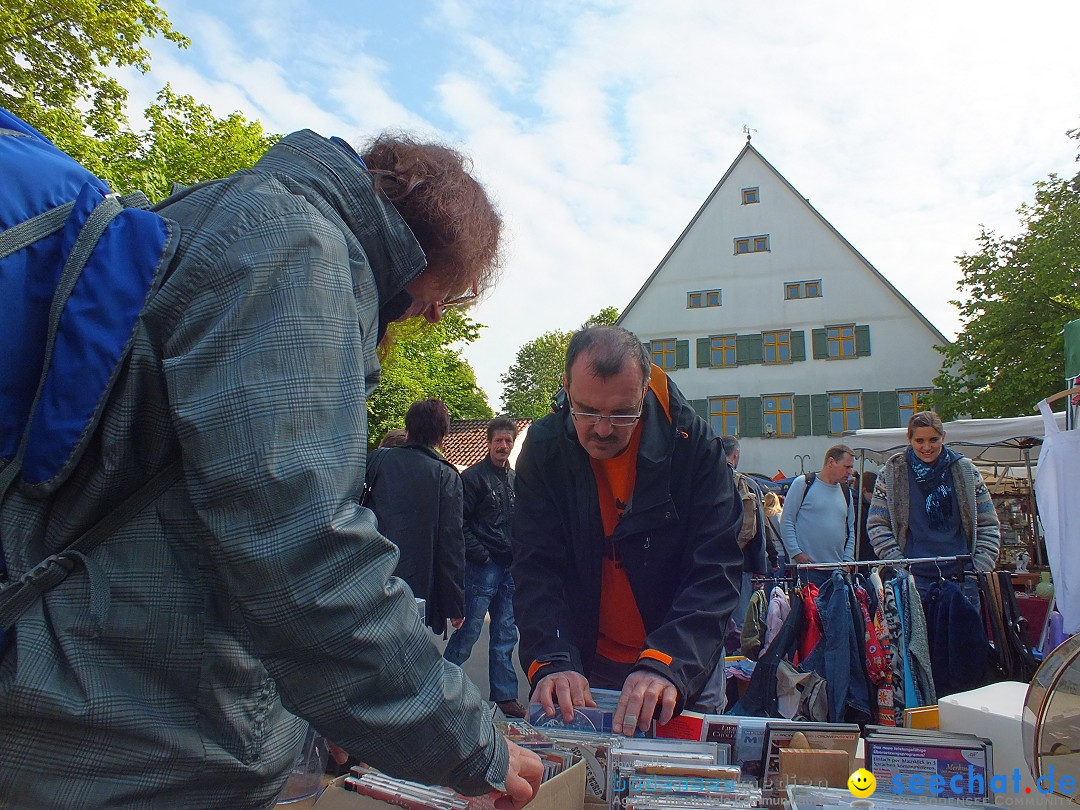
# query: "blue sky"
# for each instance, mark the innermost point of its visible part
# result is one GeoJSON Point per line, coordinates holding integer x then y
{"type": "Point", "coordinates": [601, 126]}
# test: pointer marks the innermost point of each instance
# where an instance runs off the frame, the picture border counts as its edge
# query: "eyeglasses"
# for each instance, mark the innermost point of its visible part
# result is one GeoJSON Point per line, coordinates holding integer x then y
{"type": "Point", "coordinates": [465, 298]}
{"type": "Point", "coordinates": [614, 419]}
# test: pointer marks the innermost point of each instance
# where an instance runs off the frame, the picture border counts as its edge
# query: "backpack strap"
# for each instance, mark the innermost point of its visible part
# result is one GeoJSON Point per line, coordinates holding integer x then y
{"type": "Point", "coordinates": [811, 477]}
{"type": "Point", "coordinates": [18, 595]}
{"type": "Point", "coordinates": [27, 232]}
{"type": "Point", "coordinates": [377, 457]}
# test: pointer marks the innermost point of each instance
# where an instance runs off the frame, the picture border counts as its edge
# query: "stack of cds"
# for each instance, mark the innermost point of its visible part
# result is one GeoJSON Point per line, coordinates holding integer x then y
{"type": "Point", "coordinates": [400, 793]}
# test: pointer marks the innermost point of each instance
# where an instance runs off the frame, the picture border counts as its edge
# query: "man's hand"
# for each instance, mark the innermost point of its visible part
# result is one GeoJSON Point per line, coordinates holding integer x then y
{"type": "Point", "coordinates": [802, 559]}
{"type": "Point", "coordinates": [522, 777]}
{"type": "Point", "coordinates": [641, 692]}
{"type": "Point", "coordinates": [456, 623]}
{"type": "Point", "coordinates": [337, 753]}
{"type": "Point", "coordinates": [568, 689]}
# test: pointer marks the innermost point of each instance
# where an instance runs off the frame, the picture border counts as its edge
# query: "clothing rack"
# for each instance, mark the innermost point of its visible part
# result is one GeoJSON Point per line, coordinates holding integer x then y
{"type": "Point", "coordinates": [901, 563]}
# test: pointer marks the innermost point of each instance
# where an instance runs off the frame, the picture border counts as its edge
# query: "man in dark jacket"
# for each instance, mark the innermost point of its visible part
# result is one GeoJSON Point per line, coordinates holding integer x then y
{"type": "Point", "coordinates": [489, 586]}
{"type": "Point", "coordinates": [626, 556]}
{"type": "Point", "coordinates": [416, 494]}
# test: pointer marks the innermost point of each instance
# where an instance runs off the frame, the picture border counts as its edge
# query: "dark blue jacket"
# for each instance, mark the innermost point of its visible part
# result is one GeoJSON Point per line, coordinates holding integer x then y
{"type": "Point", "coordinates": [678, 542]}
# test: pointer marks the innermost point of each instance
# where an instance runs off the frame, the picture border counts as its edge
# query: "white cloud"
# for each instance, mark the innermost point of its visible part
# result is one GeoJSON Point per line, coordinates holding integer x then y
{"type": "Point", "coordinates": [601, 127]}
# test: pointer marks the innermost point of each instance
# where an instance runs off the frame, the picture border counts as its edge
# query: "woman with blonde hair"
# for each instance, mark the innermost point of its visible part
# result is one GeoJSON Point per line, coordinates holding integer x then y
{"type": "Point", "coordinates": [773, 509]}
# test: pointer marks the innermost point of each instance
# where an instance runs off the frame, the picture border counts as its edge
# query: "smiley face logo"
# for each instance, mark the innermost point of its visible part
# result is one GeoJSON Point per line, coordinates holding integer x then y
{"type": "Point", "coordinates": [862, 783]}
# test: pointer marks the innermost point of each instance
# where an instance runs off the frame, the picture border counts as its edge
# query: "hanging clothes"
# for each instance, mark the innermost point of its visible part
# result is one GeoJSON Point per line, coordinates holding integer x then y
{"type": "Point", "coordinates": [873, 656]}
{"type": "Point", "coordinates": [899, 649]}
{"type": "Point", "coordinates": [811, 631]}
{"type": "Point", "coordinates": [776, 615]}
{"type": "Point", "coordinates": [918, 646]}
{"type": "Point", "coordinates": [760, 698]}
{"type": "Point", "coordinates": [1059, 509]}
{"type": "Point", "coordinates": [753, 629]}
{"type": "Point", "coordinates": [885, 702]}
{"type": "Point", "coordinates": [959, 648]}
{"type": "Point", "coordinates": [1055, 632]}
{"type": "Point", "coordinates": [838, 656]}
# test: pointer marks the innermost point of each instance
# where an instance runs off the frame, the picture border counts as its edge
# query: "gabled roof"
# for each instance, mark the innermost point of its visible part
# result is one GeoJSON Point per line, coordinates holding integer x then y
{"type": "Point", "coordinates": [746, 150]}
{"type": "Point", "coordinates": [467, 442]}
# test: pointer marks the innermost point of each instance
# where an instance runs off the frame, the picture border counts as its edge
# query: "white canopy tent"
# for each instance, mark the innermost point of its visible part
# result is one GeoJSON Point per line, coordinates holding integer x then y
{"type": "Point", "coordinates": [1009, 446]}
{"type": "Point", "coordinates": [1011, 442]}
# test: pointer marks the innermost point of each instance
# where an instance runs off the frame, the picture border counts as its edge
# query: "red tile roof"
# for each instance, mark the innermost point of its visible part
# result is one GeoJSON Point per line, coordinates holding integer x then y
{"type": "Point", "coordinates": [467, 442]}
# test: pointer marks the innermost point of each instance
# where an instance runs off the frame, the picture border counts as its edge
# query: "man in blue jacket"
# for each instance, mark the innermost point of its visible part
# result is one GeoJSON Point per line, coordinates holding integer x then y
{"type": "Point", "coordinates": [625, 539]}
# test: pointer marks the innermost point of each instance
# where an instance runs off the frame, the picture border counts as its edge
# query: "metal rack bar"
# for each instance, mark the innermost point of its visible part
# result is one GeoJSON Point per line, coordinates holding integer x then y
{"type": "Point", "coordinates": [871, 563]}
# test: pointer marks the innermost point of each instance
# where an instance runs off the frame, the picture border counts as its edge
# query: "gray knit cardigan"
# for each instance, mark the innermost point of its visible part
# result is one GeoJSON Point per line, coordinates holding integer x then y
{"type": "Point", "coordinates": [887, 522]}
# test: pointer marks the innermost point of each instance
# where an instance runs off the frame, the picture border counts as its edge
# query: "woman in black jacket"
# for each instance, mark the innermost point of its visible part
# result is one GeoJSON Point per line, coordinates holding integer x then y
{"type": "Point", "coordinates": [416, 495]}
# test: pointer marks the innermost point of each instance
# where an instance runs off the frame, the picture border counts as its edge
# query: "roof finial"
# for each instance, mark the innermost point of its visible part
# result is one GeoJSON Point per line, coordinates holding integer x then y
{"type": "Point", "coordinates": [747, 130]}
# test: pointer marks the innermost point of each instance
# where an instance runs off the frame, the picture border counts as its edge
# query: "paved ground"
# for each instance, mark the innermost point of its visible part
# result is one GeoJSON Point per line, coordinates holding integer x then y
{"type": "Point", "coordinates": [476, 666]}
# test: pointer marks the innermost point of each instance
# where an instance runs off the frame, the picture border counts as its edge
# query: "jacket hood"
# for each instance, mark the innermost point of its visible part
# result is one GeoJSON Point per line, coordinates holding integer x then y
{"type": "Point", "coordinates": [340, 181]}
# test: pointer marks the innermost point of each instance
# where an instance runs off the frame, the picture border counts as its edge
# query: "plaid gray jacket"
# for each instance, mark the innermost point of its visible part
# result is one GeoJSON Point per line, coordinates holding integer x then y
{"type": "Point", "coordinates": [173, 670]}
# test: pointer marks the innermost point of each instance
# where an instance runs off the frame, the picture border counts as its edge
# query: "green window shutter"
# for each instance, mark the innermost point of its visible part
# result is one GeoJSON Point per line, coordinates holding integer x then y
{"type": "Point", "coordinates": [802, 413]}
{"type": "Point", "coordinates": [750, 420]}
{"type": "Point", "coordinates": [889, 409]}
{"type": "Point", "coordinates": [701, 408]}
{"type": "Point", "coordinates": [682, 354]}
{"type": "Point", "coordinates": [757, 348]}
{"type": "Point", "coordinates": [821, 344]}
{"type": "Point", "coordinates": [742, 349]}
{"type": "Point", "coordinates": [704, 352]}
{"type": "Point", "coordinates": [871, 416]}
{"type": "Point", "coordinates": [748, 349]}
{"type": "Point", "coordinates": [798, 346]}
{"type": "Point", "coordinates": [819, 414]}
{"type": "Point", "coordinates": [648, 350]}
{"type": "Point", "coordinates": [862, 341]}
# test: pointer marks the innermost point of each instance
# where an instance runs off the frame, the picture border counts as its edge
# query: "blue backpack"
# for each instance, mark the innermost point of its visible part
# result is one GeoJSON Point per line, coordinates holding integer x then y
{"type": "Point", "coordinates": [77, 265]}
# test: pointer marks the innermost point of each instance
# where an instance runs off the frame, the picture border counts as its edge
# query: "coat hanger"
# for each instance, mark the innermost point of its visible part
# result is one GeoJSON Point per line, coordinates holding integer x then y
{"type": "Point", "coordinates": [1061, 395]}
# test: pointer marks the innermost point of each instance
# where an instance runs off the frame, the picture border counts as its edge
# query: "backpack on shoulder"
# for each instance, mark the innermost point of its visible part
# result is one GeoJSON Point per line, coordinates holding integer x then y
{"type": "Point", "coordinates": [749, 529]}
{"type": "Point", "coordinates": [77, 265]}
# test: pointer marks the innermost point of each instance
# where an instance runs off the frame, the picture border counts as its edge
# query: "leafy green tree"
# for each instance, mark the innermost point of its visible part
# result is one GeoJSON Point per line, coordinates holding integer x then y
{"type": "Point", "coordinates": [419, 362]}
{"type": "Point", "coordinates": [1017, 293]}
{"type": "Point", "coordinates": [52, 59]}
{"type": "Point", "coordinates": [184, 144]}
{"type": "Point", "coordinates": [605, 317]}
{"type": "Point", "coordinates": [536, 375]}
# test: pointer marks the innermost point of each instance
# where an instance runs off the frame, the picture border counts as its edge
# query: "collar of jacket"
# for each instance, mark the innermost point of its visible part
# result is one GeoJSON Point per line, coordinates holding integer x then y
{"type": "Point", "coordinates": [430, 451]}
{"type": "Point", "coordinates": [501, 470]}
{"type": "Point", "coordinates": [343, 182]}
{"type": "Point", "coordinates": [652, 504]}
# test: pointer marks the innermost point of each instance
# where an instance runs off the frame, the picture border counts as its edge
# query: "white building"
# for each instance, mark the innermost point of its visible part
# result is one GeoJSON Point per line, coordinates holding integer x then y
{"type": "Point", "coordinates": [777, 328]}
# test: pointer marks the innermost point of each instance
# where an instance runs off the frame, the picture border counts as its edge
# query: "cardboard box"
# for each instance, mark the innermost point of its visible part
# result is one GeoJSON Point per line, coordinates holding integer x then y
{"type": "Point", "coordinates": [563, 792]}
{"type": "Point", "coordinates": [924, 717]}
{"type": "Point", "coordinates": [823, 767]}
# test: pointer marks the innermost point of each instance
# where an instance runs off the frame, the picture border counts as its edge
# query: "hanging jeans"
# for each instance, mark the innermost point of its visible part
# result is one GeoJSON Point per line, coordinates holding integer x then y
{"type": "Point", "coordinates": [489, 589]}
{"type": "Point", "coordinates": [838, 657]}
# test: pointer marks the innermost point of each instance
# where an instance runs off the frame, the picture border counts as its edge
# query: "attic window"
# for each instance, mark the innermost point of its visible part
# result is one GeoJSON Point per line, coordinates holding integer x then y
{"type": "Point", "coordinates": [802, 289]}
{"type": "Point", "coordinates": [752, 244]}
{"type": "Point", "coordinates": [703, 298]}
{"type": "Point", "coordinates": [750, 196]}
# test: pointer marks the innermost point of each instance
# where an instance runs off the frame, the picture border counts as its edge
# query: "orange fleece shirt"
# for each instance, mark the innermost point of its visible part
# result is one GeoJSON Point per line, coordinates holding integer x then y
{"type": "Point", "coordinates": [622, 633]}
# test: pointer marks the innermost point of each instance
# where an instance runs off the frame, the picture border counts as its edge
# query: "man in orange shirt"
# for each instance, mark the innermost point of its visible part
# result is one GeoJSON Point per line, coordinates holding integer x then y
{"type": "Point", "coordinates": [626, 553]}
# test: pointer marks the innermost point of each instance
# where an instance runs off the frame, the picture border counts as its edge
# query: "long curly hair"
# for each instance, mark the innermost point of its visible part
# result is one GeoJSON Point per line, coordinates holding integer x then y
{"type": "Point", "coordinates": [453, 218]}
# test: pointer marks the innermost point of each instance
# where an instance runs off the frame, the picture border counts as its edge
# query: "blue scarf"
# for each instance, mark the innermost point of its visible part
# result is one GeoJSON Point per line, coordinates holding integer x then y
{"type": "Point", "coordinates": [936, 485]}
